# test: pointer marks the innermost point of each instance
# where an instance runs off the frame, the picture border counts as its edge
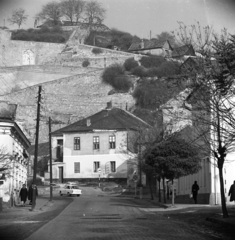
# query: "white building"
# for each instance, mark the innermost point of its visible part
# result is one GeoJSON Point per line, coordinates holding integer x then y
{"type": "Point", "coordinates": [13, 153]}
{"type": "Point", "coordinates": [96, 147]}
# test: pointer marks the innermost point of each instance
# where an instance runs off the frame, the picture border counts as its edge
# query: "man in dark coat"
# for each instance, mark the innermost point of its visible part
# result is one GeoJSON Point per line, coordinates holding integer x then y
{"type": "Point", "coordinates": [23, 194]}
{"type": "Point", "coordinates": [195, 189]}
{"type": "Point", "coordinates": [30, 193]}
{"type": "Point", "coordinates": [232, 192]}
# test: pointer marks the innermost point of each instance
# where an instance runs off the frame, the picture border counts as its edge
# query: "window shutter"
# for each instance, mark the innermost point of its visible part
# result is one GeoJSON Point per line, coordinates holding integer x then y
{"type": "Point", "coordinates": [77, 167]}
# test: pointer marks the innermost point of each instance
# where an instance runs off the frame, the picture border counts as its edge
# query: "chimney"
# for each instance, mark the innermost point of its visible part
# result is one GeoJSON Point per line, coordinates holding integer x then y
{"type": "Point", "coordinates": [88, 122]}
{"type": "Point", "coordinates": [109, 105]}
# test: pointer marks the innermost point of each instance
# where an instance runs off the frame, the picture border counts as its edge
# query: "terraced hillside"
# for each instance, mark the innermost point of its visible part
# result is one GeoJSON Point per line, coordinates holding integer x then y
{"type": "Point", "coordinates": [65, 100]}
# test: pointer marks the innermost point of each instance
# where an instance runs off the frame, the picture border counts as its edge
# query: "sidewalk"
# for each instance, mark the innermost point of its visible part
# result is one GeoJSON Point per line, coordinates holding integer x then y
{"type": "Point", "coordinates": [17, 212]}
{"type": "Point", "coordinates": [215, 211]}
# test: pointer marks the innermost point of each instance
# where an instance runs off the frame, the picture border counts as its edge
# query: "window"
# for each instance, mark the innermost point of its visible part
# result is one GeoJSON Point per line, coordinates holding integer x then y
{"type": "Point", "coordinates": [59, 150]}
{"type": "Point", "coordinates": [112, 142]}
{"type": "Point", "coordinates": [77, 167]}
{"type": "Point", "coordinates": [96, 166]}
{"type": "Point", "coordinates": [77, 143]}
{"type": "Point", "coordinates": [96, 143]}
{"type": "Point", "coordinates": [113, 166]}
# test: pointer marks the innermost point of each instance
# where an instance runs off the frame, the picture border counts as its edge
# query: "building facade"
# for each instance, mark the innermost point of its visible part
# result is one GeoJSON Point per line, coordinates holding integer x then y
{"type": "Point", "coordinates": [97, 147]}
{"type": "Point", "coordinates": [13, 155]}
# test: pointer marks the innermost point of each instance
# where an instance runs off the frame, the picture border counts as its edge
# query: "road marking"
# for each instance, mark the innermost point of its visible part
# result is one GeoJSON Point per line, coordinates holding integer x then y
{"type": "Point", "coordinates": [26, 221]}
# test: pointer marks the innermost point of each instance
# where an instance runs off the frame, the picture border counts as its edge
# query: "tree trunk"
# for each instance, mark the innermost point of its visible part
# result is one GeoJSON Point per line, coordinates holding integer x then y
{"type": "Point", "coordinates": [164, 190]}
{"type": "Point", "coordinates": [224, 208]}
{"type": "Point", "coordinates": [150, 187]}
{"type": "Point", "coordinates": [159, 190]}
{"type": "Point", "coordinates": [173, 193]}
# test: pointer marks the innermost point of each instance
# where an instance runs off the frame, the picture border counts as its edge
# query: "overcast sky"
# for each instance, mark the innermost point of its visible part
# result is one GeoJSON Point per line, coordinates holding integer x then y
{"type": "Point", "coordinates": [139, 17]}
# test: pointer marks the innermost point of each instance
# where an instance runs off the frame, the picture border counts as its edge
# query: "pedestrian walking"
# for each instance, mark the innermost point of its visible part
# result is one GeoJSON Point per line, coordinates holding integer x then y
{"type": "Point", "coordinates": [232, 192]}
{"type": "Point", "coordinates": [30, 193]}
{"type": "Point", "coordinates": [23, 194]}
{"type": "Point", "coordinates": [195, 189]}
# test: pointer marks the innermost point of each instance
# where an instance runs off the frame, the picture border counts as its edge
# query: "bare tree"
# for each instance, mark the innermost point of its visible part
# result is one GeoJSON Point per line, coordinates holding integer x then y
{"type": "Point", "coordinates": [18, 17]}
{"type": "Point", "coordinates": [51, 11]}
{"type": "Point", "coordinates": [199, 37]}
{"type": "Point", "coordinates": [94, 13]}
{"type": "Point", "coordinates": [212, 104]}
{"type": "Point", "coordinates": [5, 159]}
{"type": "Point", "coordinates": [72, 9]}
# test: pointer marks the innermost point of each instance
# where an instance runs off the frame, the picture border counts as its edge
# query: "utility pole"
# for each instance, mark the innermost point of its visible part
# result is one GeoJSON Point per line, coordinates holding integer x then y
{"type": "Point", "coordinates": [140, 164]}
{"type": "Point", "coordinates": [50, 159]}
{"type": "Point", "coordinates": [36, 149]}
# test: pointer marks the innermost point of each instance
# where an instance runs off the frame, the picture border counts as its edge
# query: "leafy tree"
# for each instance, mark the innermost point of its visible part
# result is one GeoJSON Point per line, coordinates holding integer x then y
{"type": "Point", "coordinates": [173, 157]}
{"type": "Point", "coordinates": [18, 17]}
{"type": "Point", "coordinates": [51, 11]}
{"type": "Point", "coordinates": [94, 13]}
{"type": "Point", "coordinates": [163, 36]}
{"type": "Point", "coordinates": [72, 9]}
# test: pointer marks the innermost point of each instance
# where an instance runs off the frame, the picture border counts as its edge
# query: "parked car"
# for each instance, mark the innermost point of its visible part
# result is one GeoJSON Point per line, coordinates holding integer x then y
{"type": "Point", "coordinates": [69, 190]}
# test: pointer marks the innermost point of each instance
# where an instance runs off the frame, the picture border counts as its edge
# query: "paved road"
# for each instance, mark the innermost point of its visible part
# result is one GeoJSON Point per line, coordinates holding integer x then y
{"type": "Point", "coordinates": [93, 216]}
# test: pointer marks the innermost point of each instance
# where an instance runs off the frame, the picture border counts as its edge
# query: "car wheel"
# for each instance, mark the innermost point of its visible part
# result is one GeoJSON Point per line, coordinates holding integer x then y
{"type": "Point", "coordinates": [61, 194]}
{"type": "Point", "coordinates": [78, 195]}
{"type": "Point", "coordinates": [68, 194]}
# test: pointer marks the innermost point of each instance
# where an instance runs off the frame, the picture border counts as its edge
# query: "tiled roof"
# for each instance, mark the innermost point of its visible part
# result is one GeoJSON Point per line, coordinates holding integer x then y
{"type": "Point", "coordinates": [107, 119]}
{"type": "Point", "coordinates": [148, 44]}
{"type": "Point", "coordinates": [183, 50]}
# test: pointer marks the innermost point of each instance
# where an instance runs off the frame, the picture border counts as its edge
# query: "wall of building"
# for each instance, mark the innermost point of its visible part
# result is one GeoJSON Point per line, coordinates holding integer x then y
{"type": "Point", "coordinates": [86, 141]}
{"type": "Point", "coordinates": [16, 175]}
{"type": "Point", "coordinates": [16, 53]}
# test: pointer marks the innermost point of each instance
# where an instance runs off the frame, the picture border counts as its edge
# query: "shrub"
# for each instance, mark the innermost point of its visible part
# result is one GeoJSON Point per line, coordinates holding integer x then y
{"type": "Point", "coordinates": [97, 50]}
{"type": "Point", "coordinates": [85, 63]}
{"type": "Point", "coordinates": [150, 94]}
{"type": "Point", "coordinates": [114, 75]}
{"type": "Point", "coordinates": [152, 61]}
{"type": "Point", "coordinates": [152, 72]}
{"type": "Point", "coordinates": [130, 63]}
{"type": "Point", "coordinates": [139, 71]}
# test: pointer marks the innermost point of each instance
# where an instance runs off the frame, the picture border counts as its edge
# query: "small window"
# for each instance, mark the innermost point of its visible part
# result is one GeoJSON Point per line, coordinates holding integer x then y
{"type": "Point", "coordinates": [96, 166]}
{"type": "Point", "coordinates": [96, 143]}
{"type": "Point", "coordinates": [77, 167]}
{"type": "Point", "coordinates": [112, 142]}
{"type": "Point", "coordinates": [113, 166]}
{"type": "Point", "coordinates": [77, 143]}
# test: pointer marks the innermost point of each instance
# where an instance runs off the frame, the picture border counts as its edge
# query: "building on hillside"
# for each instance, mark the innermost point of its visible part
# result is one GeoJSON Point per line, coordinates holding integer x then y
{"type": "Point", "coordinates": [13, 154]}
{"type": "Point", "coordinates": [178, 115]}
{"type": "Point", "coordinates": [99, 146]}
{"type": "Point", "coordinates": [183, 52]}
{"type": "Point", "coordinates": [152, 47]}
